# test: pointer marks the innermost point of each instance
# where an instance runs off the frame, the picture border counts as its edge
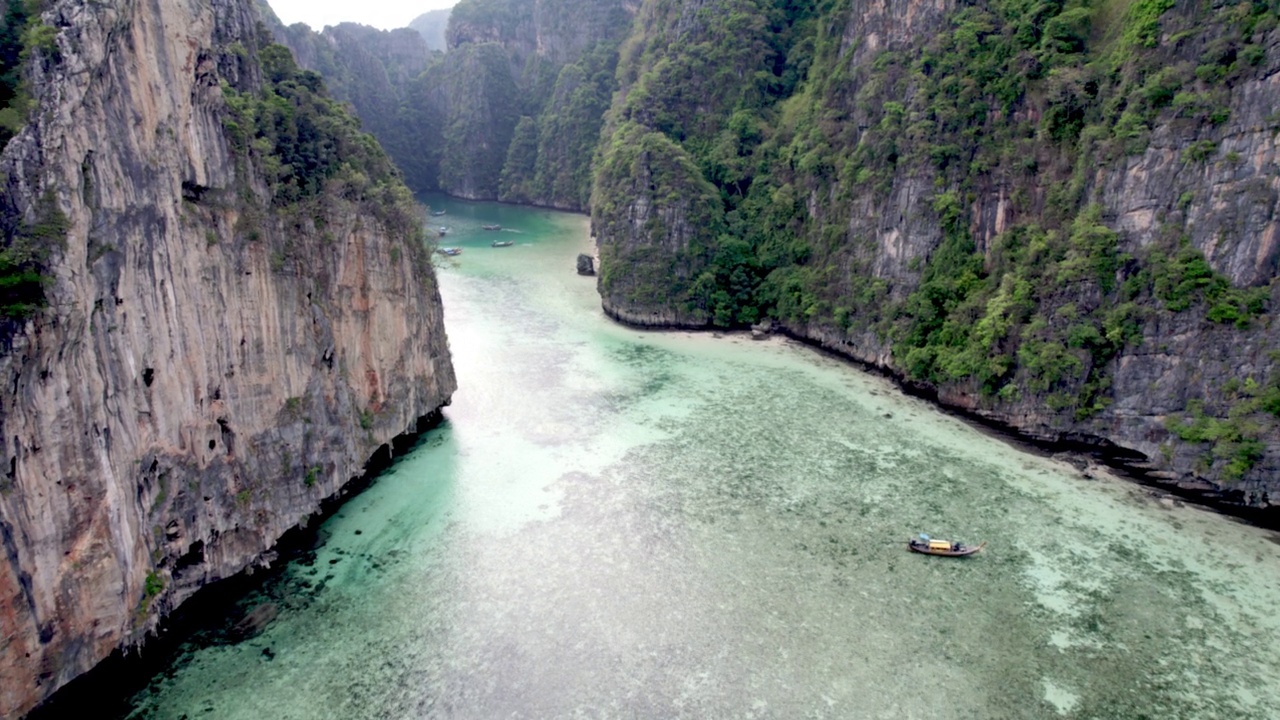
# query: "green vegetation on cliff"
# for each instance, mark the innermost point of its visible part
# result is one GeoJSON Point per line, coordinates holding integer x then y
{"type": "Point", "coordinates": [303, 143]}
{"type": "Point", "coordinates": [560, 57]}
{"type": "Point", "coordinates": [379, 73]}
{"type": "Point", "coordinates": [20, 34]}
{"type": "Point", "coordinates": [513, 111]}
{"type": "Point", "coordinates": [1008, 111]}
{"type": "Point", "coordinates": [28, 247]}
{"type": "Point", "coordinates": [713, 86]}
{"type": "Point", "coordinates": [550, 163]}
{"type": "Point", "coordinates": [483, 113]}
{"type": "Point", "coordinates": [685, 212]}
{"type": "Point", "coordinates": [1033, 96]}
{"type": "Point", "coordinates": [27, 244]}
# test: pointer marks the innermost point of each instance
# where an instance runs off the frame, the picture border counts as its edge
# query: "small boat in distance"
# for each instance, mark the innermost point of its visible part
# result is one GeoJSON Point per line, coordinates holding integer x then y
{"type": "Point", "coordinates": [450, 251]}
{"type": "Point", "coordinates": [946, 548]}
{"type": "Point", "coordinates": [491, 227]}
{"type": "Point", "coordinates": [442, 230]}
{"type": "Point", "coordinates": [437, 213]}
{"type": "Point", "coordinates": [503, 243]}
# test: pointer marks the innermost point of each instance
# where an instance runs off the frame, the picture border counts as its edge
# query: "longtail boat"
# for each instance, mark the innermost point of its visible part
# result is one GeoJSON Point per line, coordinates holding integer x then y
{"type": "Point", "coordinates": [946, 548]}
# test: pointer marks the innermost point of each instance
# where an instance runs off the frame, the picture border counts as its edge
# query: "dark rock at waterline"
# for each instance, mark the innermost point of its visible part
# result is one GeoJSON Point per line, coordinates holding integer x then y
{"type": "Point", "coordinates": [255, 621]}
{"type": "Point", "coordinates": [586, 264]}
{"type": "Point", "coordinates": [763, 329]}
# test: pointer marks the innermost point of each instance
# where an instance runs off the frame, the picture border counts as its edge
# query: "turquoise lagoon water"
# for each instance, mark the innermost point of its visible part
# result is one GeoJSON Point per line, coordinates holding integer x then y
{"type": "Point", "coordinates": [623, 524]}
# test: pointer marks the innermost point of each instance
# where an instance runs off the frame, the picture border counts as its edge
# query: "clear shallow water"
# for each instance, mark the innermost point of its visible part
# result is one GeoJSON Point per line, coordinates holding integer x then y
{"type": "Point", "coordinates": [622, 524]}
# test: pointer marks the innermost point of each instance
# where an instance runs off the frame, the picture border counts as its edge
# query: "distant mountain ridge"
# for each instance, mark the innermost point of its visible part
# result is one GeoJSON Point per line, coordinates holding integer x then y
{"type": "Point", "coordinates": [378, 72]}
{"type": "Point", "coordinates": [512, 111]}
{"type": "Point", "coordinates": [432, 26]}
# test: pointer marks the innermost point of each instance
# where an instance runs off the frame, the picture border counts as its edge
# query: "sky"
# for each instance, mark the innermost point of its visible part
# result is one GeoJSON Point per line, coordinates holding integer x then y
{"type": "Point", "coordinates": [384, 14]}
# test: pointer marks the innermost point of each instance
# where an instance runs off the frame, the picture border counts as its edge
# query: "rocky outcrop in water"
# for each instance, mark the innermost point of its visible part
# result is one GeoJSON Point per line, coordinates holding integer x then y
{"type": "Point", "coordinates": [228, 336]}
{"type": "Point", "coordinates": [1062, 220]}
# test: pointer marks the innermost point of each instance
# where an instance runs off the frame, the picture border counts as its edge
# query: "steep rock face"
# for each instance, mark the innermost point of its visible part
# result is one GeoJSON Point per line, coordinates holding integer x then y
{"type": "Point", "coordinates": [512, 111]}
{"type": "Point", "coordinates": [549, 164]}
{"type": "Point", "coordinates": [1225, 202]}
{"type": "Point", "coordinates": [655, 215]}
{"type": "Point", "coordinates": [683, 72]}
{"type": "Point", "coordinates": [1062, 219]}
{"type": "Point", "coordinates": [880, 25]}
{"type": "Point", "coordinates": [377, 71]}
{"type": "Point", "coordinates": [386, 58]}
{"type": "Point", "coordinates": [1223, 205]}
{"type": "Point", "coordinates": [210, 365]}
{"type": "Point", "coordinates": [560, 57]}
{"type": "Point", "coordinates": [557, 32]}
{"type": "Point", "coordinates": [480, 101]}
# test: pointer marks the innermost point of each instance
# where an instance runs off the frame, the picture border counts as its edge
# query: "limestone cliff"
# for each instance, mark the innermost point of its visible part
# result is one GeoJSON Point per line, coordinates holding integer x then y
{"type": "Point", "coordinates": [512, 111]}
{"type": "Point", "coordinates": [229, 332]}
{"type": "Point", "coordinates": [550, 164]}
{"type": "Point", "coordinates": [529, 136]}
{"type": "Point", "coordinates": [1058, 216]}
{"type": "Point", "coordinates": [550, 32]}
{"type": "Point", "coordinates": [377, 72]}
{"type": "Point", "coordinates": [480, 102]}
{"type": "Point", "coordinates": [657, 219]}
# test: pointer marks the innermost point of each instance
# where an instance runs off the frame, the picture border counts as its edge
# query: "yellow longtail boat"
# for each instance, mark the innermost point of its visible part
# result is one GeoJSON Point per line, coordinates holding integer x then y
{"type": "Point", "coordinates": [947, 548]}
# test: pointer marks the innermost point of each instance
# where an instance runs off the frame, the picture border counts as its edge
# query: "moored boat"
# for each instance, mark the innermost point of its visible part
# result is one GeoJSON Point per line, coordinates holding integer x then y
{"type": "Point", "coordinates": [503, 243]}
{"type": "Point", "coordinates": [491, 227]}
{"type": "Point", "coordinates": [947, 548]}
{"type": "Point", "coordinates": [450, 251]}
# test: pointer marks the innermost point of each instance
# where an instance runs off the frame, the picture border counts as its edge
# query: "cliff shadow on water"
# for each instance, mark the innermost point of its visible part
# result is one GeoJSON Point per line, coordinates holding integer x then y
{"type": "Point", "coordinates": [229, 611]}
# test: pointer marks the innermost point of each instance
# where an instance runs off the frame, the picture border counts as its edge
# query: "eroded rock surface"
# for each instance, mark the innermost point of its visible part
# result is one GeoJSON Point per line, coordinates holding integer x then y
{"type": "Point", "coordinates": [209, 368]}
